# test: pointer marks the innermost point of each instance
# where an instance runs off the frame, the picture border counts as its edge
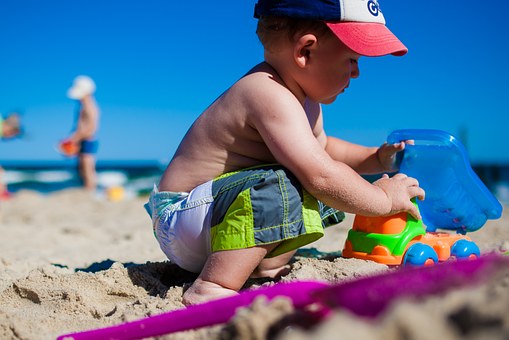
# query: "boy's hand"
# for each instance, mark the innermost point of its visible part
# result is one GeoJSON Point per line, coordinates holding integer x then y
{"type": "Point", "coordinates": [386, 154]}
{"type": "Point", "coordinates": [400, 189]}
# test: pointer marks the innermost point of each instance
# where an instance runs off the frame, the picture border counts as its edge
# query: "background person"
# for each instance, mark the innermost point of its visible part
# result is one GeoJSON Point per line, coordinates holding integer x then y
{"type": "Point", "coordinates": [82, 141]}
{"type": "Point", "coordinates": [10, 127]}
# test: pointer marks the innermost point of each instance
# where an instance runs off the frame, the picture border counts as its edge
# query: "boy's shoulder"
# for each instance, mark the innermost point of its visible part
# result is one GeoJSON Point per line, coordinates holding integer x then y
{"type": "Point", "coordinates": [262, 74]}
{"type": "Point", "coordinates": [262, 87]}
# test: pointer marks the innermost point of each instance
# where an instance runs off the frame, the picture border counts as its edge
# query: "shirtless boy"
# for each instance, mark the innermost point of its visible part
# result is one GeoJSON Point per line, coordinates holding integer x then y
{"type": "Point", "coordinates": [255, 175]}
{"type": "Point", "coordinates": [85, 129]}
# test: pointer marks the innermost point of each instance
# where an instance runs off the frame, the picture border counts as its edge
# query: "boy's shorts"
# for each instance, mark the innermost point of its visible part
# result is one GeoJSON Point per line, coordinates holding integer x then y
{"type": "Point", "coordinates": [252, 207]}
{"type": "Point", "coordinates": [89, 146]}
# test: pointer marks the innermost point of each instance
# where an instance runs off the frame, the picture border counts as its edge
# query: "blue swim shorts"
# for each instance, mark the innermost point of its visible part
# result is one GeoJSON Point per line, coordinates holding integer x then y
{"type": "Point", "coordinates": [89, 146]}
{"type": "Point", "coordinates": [242, 209]}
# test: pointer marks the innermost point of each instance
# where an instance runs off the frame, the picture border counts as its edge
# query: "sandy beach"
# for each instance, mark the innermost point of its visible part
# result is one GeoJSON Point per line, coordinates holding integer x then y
{"type": "Point", "coordinates": [71, 262]}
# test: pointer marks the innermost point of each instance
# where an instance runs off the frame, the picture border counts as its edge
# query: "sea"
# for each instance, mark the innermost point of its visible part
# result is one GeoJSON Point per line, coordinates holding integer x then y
{"type": "Point", "coordinates": [137, 178]}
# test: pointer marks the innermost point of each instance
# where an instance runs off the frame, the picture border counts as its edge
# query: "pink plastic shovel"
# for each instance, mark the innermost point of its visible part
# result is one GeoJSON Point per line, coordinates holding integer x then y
{"type": "Point", "coordinates": [367, 297]}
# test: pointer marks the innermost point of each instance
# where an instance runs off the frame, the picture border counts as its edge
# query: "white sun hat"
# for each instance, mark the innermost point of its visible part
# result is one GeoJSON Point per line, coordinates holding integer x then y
{"type": "Point", "coordinates": [82, 86]}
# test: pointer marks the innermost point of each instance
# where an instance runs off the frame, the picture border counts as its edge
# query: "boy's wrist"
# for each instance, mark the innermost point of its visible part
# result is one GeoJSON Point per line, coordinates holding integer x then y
{"type": "Point", "coordinates": [384, 208]}
{"type": "Point", "coordinates": [379, 160]}
{"type": "Point", "coordinates": [389, 165]}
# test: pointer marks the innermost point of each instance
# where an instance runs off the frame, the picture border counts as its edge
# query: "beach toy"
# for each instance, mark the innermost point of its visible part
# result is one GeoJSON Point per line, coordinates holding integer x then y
{"type": "Point", "coordinates": [456, 199]}
{"type": "Point", "coordinates": [68, 148]}
{"type": "Point", "coordinates": [402, 240]}
{"type": "Point", "coordinates": [367, 297]}
{"type": "Point", "coordinates": [115, 193]}
{"type": "Point", "coordinates": [82, 86]}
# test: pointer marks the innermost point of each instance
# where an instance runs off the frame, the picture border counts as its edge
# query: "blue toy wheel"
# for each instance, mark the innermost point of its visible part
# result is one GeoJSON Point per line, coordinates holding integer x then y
{"type": "Point", "coordinates": [417, 255]}
{"type": "Point", "coordinates": [462, 249]}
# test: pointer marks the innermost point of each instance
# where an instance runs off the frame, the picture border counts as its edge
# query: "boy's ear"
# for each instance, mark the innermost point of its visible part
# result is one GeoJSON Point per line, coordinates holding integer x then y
{"type": "Point", "coordinates": [303, 48]}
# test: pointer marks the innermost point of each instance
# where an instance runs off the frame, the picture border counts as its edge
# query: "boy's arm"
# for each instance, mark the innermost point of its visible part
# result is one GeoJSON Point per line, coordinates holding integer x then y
{"type": "Point", "coordinates": [363, 159]}
{"type": "Point", "coordinates": [285, 129]}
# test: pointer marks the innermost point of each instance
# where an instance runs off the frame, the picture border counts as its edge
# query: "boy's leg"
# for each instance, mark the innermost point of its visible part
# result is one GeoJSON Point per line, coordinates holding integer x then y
{"type": "Point", "coordinates": [274, 267]}
{"type": "Point", "coordinates": [224, 273]}
{"type": "Point", "coordinates": [269, 206]}
{"type": "Point", "coordinates": [87, 171]}
{"type": "Point", "coordinates": [2, 185]}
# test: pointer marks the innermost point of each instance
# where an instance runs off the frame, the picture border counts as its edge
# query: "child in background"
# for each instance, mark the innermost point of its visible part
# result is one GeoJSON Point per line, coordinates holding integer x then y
{"type": "Point", "coordinates": [82, 141]}
{"type": "Point", "coordinates": [256, 176]}
{"type": "Point", "coordinates": [4, 193]}
{"type": "Point", "coordinates": [10, 127]}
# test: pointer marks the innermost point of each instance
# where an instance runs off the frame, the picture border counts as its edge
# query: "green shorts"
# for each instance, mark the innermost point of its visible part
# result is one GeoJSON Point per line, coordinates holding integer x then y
{"type": "Point", "coordinates": [256, 206]}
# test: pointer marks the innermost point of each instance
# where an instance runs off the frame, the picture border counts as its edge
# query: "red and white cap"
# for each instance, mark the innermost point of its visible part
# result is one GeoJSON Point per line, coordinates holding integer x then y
{"type": "Point", "coordinates": [359, 24]}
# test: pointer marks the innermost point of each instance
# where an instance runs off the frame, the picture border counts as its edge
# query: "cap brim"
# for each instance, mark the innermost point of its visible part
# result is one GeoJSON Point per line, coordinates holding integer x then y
{"type": "Point", "coordinates": [368, 39]}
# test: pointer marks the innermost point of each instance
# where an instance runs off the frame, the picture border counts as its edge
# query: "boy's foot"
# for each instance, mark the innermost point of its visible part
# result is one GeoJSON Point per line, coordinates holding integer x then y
{"type": "Point", "coordinates": [202, 291]}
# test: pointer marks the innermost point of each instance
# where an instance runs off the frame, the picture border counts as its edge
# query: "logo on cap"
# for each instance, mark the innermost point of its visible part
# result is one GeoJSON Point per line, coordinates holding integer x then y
{"type": "Point", "coordinates": [373, 7]}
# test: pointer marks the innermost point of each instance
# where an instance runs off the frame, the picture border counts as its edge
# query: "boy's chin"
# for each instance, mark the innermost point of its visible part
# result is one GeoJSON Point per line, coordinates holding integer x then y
{"type": "Point", "coordinates": [329, 100]}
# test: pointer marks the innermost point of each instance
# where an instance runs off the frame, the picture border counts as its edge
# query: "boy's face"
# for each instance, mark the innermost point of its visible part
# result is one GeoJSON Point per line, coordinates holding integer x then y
{"type": "Point", "coordinates": [332, 65]}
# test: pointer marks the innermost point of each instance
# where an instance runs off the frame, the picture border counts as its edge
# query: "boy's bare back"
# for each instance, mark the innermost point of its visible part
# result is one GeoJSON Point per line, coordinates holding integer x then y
{"type": "Point", "coordinates": [225, 137]}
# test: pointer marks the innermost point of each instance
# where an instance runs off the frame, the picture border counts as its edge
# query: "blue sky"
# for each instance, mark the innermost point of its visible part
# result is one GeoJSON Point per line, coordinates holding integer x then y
{"type": "Point", "coordinates": [159, 63]}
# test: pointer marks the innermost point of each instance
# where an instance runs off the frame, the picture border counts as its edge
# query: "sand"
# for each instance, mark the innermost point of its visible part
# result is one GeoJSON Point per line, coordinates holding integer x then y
{"type": "Point", "coordinates": [72, 262]}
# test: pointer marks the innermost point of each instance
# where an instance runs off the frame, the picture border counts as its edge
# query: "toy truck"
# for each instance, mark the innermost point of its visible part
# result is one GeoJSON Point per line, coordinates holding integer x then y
{"type": "Point", "coordinates": [456, 200]}
{"type": "Point", "coordinates": [403, 240]}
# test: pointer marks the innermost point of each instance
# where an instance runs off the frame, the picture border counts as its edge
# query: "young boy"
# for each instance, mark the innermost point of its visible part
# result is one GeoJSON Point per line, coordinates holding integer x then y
{"type": "Point", "coordinates": [10, 127]}
{"type": "Point", "coordinates": [86, 126]}
{"type": "Point", "coordinates": [253, 176]}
